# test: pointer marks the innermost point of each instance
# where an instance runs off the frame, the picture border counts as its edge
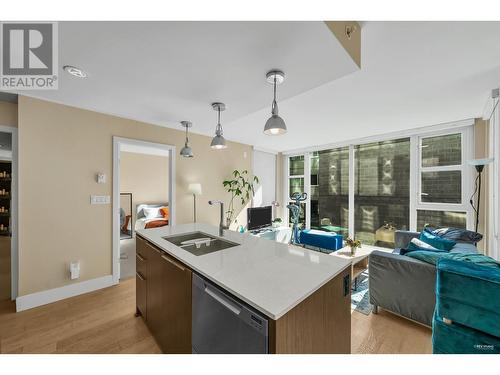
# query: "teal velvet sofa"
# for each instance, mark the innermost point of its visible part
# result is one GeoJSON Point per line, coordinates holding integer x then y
{"type": "Point", "coordinates": [467, 314]}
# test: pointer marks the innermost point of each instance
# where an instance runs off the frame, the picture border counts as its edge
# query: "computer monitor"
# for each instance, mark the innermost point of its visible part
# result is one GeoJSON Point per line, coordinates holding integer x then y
{"type": "Point", "coordinates": [259, 217]}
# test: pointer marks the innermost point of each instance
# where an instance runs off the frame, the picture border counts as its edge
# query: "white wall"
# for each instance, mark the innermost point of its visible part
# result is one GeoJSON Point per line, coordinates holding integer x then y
{"type": "Point", "coordinates": [494, 187]}
{"type": "Point", "coordinates": [264, 167]}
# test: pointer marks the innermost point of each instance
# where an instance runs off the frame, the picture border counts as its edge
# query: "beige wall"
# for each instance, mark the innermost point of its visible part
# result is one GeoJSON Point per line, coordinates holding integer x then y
{"type": "Point", "coordinates": [8, 114]}
{"type": "Point", "coordinates": [481, 136]}
{"type": "Point", "coordinates": [61, 149]}
{"type": "Point", "coordinates": [145, 176]}
{"type": "Point", "coordinates": [352, 45]}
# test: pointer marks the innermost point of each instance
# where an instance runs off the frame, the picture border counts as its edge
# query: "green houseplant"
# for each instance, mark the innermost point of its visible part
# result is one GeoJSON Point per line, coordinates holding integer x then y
{"type": "Point", "coordinates": [353, 244]}
{"type": "Point", "coordinates": [241, 187]}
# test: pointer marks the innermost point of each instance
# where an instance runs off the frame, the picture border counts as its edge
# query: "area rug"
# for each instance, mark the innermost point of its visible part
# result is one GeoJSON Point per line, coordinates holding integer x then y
{"type": "Point", "coordinates": [360, 298]}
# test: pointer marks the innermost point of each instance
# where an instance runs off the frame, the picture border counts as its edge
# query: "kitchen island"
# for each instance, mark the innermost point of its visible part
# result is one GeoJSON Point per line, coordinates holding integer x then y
{"type": "Point", "coordinates": [305, 295]}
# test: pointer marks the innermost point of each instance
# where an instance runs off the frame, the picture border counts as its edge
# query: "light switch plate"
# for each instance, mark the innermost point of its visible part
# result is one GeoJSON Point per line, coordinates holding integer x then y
{"type": "Point", "coordinates": [100, 199]}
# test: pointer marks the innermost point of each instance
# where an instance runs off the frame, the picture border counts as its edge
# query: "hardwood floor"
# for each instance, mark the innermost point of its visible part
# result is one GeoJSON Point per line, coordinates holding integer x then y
{"type": "Point", "coordinates": [104, 322]}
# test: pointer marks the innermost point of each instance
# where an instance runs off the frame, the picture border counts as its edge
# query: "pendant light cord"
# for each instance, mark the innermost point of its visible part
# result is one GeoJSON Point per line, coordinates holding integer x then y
{"type": "Point", "coordinates": [273, 108]}
{"type": "Point", "coordinates": [219, 126]}
{"type": "Point", "coordinates": [275, 87]}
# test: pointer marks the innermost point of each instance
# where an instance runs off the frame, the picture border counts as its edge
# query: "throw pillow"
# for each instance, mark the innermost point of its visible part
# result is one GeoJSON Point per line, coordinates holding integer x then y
{"type": "Point", "coordinates": [458, 235]}
{"type": "Point", "coordinates": [164, 212]}
{"type": "Point", "coordinates": [417, 244]}
{"type": "Point", "coordinates": [438, 242]}
{"type": "Point", "coordinates": [152, 212]}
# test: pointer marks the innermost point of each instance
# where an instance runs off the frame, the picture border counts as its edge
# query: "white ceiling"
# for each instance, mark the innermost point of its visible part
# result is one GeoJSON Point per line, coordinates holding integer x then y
{"type": "Point", "coordinates": [413, 74]}
{"type": "Point", "coordinates": [165, 72]}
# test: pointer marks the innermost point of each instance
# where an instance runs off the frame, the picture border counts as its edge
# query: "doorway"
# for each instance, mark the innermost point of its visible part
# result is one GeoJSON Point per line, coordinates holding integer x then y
{"type": "Point", "coordinates": [143, 196]}
{"type": "Point", "coordinates": [8, 213]}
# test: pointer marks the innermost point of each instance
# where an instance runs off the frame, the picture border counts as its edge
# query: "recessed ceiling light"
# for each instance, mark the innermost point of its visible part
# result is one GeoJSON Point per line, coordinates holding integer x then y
{"type": "Point", "coordinates": [74, 71]}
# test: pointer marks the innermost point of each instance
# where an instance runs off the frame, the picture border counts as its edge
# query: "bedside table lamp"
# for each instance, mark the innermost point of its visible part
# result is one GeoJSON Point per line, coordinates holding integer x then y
{"type": "Point", "coordinates": [479, 165]}
{"type": "Point", "coordinates": [195, 189]}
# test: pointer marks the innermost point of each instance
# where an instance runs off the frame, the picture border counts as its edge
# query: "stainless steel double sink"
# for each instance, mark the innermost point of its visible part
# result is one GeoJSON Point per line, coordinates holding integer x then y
{"type": "Point", "coordinates": [199, 243]}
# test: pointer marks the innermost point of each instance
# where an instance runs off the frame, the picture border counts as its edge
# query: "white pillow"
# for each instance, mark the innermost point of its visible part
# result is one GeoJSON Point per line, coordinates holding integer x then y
{"type": "Point", "coordinates": [422, 245]}
{"type": "Point", "coordinates": [151, 213]}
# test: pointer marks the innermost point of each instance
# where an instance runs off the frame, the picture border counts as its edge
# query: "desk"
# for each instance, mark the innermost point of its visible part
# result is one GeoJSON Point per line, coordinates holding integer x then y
{"type": "Point", "coordinates": [279, 234]}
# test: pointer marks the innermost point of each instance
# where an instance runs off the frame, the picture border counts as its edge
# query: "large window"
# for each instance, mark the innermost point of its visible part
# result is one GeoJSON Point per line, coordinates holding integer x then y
{"type": "Point", "coordinates": [441, 168]}
{"type": "Point", "coordinates": [370, 190]}
{"type": "Point", "coordinates": [296, 173]}
{"type": "Point", "coordinates": [330, 190]}
{"type": "Point", "coordinates": [381, 191]}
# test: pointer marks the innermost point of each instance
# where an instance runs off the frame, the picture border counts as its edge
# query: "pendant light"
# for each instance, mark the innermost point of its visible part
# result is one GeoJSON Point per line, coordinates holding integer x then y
{"type": "Point", "coordinates": [186, 151]}
{"type": "Point", "coordinates": [275, 125]}
{"type": "Point", "coordinates": [218, 142]}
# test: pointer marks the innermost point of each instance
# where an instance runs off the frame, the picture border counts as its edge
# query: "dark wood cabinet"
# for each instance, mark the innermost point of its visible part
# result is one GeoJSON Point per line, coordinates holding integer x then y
{"type": "Point", "coordinates": [319, 324]}
{"type": "Point", "coordinates": [175, 335]}
{"type": "Point", "coordinates": [163, 297]}
{"type": "Point", "coordinates": [154, 293]}
{"type": "Point", "coordinates": [141, 295]}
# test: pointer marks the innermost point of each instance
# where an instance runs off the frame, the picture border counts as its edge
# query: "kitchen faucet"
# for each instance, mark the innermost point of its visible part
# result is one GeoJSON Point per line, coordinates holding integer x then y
{"type": "Point", "coordinates": [221, 223]}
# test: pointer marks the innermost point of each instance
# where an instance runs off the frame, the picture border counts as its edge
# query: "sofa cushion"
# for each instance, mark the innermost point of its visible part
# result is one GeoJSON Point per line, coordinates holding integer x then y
{"type": "Point", "coordinates": [464, 248]}
{"type": "Point", "coordinates": [435, 241]}
{"type": "Point", "coordinates": [458, 235]}
{"type": "Point", "coordinates": [433, 257]}
{"type": "Point", "coordinates": [467, 294]}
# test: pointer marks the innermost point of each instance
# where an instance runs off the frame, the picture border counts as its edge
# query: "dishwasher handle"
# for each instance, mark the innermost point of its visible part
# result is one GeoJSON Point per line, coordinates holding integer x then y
{"type": "Point", "coordinates": [231, 306]}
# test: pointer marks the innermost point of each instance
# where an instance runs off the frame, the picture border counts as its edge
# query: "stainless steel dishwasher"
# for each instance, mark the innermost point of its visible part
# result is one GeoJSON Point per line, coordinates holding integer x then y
{"type": "Point", "coordinates": [223, 325]}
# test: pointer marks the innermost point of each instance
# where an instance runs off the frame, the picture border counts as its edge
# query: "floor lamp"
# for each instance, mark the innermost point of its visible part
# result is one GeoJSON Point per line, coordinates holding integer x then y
{"type": "Point", "coordinates": [479, 165]}
{"type": "Point", "coordinates": [194, 189]}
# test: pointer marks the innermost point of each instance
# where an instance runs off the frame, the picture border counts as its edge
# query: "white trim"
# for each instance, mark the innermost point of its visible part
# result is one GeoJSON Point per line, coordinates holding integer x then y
{"type": "Point", "coordinates": [262, 149]}
{"type": "Point", "coordinates": [352, 191]}
{"type": "Point", "coordinates": [414, 180]}
{"type": "Point", "coordinates": [467, 143]}
{"type": "Point", "coordinates": [14, 251]}
{"type": "Point", "coordinates": [464, 128]}
{"type": "Point", "coordinates": [52, 295]}
{"type": "Point", "coordinates": [286, 189]}
{"type": "Point", "coordinates": [444, 127]}
{"type": "Point", "coordinates": [307, 189]}
{"type": "Point", "coordinates": [117, 143]}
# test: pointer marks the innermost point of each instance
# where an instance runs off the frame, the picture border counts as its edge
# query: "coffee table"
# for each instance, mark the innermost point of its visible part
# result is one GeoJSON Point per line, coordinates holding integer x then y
{"type": "Point", "coordinates": [359, 261]}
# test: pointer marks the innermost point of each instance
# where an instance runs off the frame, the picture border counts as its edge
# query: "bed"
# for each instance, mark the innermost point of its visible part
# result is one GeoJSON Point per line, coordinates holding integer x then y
{"type": "Point", "coordinates": [151, 216]}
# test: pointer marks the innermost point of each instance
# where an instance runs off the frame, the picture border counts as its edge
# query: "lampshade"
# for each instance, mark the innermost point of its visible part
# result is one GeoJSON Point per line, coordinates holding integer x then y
{"type": "Point", "coordinates": [186, 151]}
{"type": "Point", "coordinates": [194, 188]}
{"type": "Point", "coordinates": [218, 142]}
{"type": "Point", "coordinates": [480, 161]}
{"type": "Point", "coordinates": [275, 126]}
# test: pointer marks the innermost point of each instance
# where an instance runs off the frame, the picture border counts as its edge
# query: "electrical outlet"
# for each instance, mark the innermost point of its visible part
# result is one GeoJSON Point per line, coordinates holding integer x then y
{"type": "Point", "coordinates": [74, 270]}
{"type": "Point", "coordinates": [100, 199]}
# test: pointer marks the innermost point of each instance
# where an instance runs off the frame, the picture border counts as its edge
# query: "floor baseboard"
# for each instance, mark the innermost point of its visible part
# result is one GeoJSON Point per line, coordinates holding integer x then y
{"type": "Point", "coordinates": [52, 295]}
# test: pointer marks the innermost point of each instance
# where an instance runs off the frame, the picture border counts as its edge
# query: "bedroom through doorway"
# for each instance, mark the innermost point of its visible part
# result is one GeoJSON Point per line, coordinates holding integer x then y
{"type": "Point", "coordinates": [145, 196]}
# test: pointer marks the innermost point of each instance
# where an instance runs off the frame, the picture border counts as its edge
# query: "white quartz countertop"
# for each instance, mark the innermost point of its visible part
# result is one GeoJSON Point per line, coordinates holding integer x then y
{"type": "Point", "coordinates": [272, 277]}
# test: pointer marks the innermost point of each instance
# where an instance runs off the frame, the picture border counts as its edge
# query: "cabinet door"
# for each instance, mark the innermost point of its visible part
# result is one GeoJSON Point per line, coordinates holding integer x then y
{"type": "Point", "coordinates": [141, 295]}
{"type": "Point", "coordinates": [154, 292]}
{"type": "Point", "coordinates": [175, 334]}
{"type": "Point", "coordinates": [142, 275]}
